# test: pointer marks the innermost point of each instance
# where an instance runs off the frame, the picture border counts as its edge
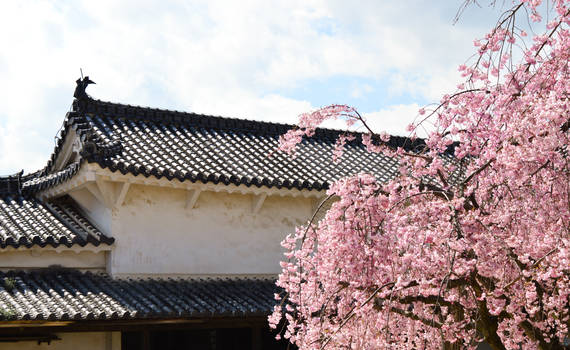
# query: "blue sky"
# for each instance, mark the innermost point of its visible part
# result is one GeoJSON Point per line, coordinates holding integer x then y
{"type": "Point", "coordinates": [249, 59]}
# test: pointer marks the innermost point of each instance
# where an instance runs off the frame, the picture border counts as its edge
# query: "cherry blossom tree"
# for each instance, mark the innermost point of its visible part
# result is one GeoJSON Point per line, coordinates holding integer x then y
{"type": "Point", "coordinates": [471, 241]}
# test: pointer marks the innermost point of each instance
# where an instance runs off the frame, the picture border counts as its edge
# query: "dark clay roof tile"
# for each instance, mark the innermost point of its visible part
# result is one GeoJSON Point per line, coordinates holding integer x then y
{"type": "Point", "coordinates": [68, 294]}
{"type": "Point", "coordinates": [26, 221]}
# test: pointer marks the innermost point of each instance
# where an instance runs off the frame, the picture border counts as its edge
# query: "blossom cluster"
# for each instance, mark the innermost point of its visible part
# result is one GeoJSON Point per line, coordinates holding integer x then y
{"type": "Point", "coordinates": [471, 241]}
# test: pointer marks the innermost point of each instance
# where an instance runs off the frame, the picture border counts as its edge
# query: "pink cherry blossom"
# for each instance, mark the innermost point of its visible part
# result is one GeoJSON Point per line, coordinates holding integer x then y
{"type": "Point", "coordinates": [470, 242]}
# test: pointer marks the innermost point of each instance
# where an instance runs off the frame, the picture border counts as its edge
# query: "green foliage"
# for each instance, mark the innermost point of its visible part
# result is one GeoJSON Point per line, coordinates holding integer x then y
{"type": "Point", "coordinates": [9, 283]}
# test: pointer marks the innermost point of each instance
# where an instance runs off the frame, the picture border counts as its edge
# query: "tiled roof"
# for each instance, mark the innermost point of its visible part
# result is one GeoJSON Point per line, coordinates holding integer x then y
{"type": "Point", "coordinates": [28, 222]}
{"type": "Point", "coordinates": [72, 295]}
{"type": "Point", "coordinates": [43, 179]}
{"type": "Point", "coordinates": [194, 147]}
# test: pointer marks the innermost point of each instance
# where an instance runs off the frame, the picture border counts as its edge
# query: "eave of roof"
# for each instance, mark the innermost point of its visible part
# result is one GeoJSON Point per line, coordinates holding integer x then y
{"type": "Point", "coordinates": [71, 295]}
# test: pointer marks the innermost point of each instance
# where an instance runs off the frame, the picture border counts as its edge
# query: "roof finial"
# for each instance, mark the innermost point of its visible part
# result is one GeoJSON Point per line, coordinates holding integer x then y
{"type": "Point", "coordinates": [11, 184]}
{"type": "Point", "coordinates": [82, 84]}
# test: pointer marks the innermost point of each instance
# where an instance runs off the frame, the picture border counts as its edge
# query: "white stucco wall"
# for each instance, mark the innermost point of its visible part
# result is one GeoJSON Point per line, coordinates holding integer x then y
{"type": "Point", "coordinates": [72, 341]}
{"type": "Point", "coordinates": [43, 257]}
{"type": "Point", "coordinates": [156, 234]}
{"type": "Point", "coordinates": [98, 212]}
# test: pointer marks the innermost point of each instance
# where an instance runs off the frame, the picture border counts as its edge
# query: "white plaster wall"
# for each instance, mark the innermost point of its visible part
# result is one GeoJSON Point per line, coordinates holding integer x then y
{"type": "Point", "coordinates": [155, 234]}
{"type": "Point", "coordinates": [95, 210]}
{"type": "Point", "coordinates": [40, 258]}
{"type": "Point", "coordinates": [72, 341]}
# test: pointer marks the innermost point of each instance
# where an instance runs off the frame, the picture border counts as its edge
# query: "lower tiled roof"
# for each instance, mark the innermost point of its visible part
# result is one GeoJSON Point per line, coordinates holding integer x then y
{"type": "Point", "coordinates": [74, 295]}
{"type": "Point", "coordinates": [28, 222]}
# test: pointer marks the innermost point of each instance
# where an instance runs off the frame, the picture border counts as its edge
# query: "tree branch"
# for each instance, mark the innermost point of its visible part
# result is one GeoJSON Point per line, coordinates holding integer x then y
{"type": "Point", "coordinates": [412, 316]}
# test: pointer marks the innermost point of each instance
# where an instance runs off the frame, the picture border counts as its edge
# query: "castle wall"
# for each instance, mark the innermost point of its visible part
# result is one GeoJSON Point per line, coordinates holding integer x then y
{"type": "Point", "coordinates": [221, 235]}
{"type": "Point", "coordinates": [23, 259]}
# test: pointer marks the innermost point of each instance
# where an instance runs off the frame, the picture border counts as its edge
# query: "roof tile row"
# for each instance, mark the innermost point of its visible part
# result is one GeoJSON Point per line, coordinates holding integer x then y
{"type": "Point", "coordinates": [229, 151]}
{"type": "Point", "coordinates": [72, 295]}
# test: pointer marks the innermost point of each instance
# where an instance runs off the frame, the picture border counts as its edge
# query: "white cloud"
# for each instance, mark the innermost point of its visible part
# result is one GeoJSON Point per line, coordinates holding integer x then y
{"type": "Point", "coordinates": [360, 90]}
{"type": "Point", "coordinates": [230, 58]}
{"type": "Point", "coordinates": [394, 119]}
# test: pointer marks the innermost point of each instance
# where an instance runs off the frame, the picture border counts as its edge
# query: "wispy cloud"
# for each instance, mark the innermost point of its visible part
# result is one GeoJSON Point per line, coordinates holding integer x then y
{"type": "Point", "coordinates": [253, 59]}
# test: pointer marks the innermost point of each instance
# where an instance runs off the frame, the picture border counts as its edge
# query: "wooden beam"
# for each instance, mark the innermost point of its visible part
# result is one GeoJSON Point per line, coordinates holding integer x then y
{"type": "Point", "coordinates": [257, 202]}
{"type": "Point", "coordinates": [26, 326]}
{"type": "Point", "coordinates": [121, 193]}
{"type": "Point", "coordinates": [191, 198]}
{"type": "Point", "coordinates": [145, 340]}
{"type": "Point", "coordinates": [112, 340]}
{"type": "Point", "coordinates": [94, 190]}
{"type": "Point", "coordinates": [107, 191]}
{"type": "Point", "coordinates": [256, 338]}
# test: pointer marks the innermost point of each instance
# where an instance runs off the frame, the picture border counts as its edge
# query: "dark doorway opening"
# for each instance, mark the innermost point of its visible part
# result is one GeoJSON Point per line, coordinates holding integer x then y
{"type": "Point", "coordinates": [247, 338]}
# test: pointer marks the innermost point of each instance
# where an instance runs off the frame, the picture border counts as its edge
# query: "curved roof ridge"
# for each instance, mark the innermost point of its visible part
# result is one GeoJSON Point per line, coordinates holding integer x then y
{"type": "Point", "coordinates": [121, 110]}
{"type": "Point", "coordinates": [41, 180]}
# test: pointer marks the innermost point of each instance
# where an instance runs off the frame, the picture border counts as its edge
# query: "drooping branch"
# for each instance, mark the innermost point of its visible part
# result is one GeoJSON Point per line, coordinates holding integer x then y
{"type": "Point", "coordinates": [500, 224]}
{"type": "Point", "coordinates": [412, 316]}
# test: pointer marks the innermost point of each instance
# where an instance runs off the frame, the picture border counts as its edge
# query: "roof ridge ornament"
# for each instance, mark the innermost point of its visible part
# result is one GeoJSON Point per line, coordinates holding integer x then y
{"type": "Point", "coordinates": [11, 184]}
{"type": "Point", "coordinates": [82, 84]}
